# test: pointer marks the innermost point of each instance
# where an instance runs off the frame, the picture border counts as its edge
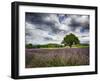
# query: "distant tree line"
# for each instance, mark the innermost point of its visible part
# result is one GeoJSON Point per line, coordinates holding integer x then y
{"type": "Point", "coordinates": [44, 46]}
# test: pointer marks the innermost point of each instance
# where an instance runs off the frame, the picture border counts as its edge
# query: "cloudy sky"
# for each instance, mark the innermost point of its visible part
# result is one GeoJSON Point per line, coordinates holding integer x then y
{"type": "Point", "coordinates": [43, 28]}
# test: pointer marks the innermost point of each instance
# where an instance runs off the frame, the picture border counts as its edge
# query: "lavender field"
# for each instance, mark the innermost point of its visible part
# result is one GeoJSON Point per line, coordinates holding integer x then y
{"type": "Point", "coordinates": [44, 57]}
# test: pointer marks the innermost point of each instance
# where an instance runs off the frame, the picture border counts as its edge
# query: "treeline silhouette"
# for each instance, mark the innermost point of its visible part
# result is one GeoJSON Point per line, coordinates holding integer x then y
{"type": "Point", "coordinates": [44, 46]}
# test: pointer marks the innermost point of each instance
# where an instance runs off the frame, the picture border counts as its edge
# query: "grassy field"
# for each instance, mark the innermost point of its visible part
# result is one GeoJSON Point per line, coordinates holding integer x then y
{"type": "Point", "coordinates": [80, 46]}
{"type": "Point", "coordinates": [53, 57]}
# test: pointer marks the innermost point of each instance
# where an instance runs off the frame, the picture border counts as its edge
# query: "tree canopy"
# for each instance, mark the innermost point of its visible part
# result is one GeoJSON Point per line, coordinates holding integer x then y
{"type": "Point", "coordinates": [70, 40]}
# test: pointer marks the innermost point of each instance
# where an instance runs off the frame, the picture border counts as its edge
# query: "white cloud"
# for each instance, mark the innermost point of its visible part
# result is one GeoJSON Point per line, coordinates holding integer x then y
{"type": "Point", "coordinates": [51, 30]}
{"type": "Point", "coordinates": [51, 18]}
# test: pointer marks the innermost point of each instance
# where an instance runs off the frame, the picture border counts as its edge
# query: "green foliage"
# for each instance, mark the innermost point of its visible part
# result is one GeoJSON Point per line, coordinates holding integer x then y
{"type": "Point", "coordinates": [29, 46]}
{"type": "Point", "coordinates": [50, 45]}
{"type": "Point", "coordinates": [82, 45]}
{"type": "Point", "coordinates": [70, 40]}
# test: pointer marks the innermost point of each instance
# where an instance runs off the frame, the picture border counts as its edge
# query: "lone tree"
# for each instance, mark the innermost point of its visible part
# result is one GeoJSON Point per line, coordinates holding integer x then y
{"type": "Point", "coordinates": [70, 40]}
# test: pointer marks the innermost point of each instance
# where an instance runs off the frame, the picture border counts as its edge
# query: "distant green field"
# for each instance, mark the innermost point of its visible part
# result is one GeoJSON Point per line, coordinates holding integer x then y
{"type": "Point", "coordinates": [51, 46]}
{"type": "Point", "coordinates": [81, 46]}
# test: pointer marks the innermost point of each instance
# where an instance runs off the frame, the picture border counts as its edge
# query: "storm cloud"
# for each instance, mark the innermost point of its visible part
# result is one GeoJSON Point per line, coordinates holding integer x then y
{"type": "Point", "coordinates": [42, 28]}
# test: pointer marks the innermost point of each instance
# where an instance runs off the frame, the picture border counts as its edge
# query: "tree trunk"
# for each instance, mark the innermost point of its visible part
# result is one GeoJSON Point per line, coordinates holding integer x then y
{"type": "Point", "coordinates": [70, 46]}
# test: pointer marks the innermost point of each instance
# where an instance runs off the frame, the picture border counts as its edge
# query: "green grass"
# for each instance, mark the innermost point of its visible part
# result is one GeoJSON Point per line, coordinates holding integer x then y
{"type": "Point", "coordinates": [82, 46]}
{"type": "Point", "coordinates": [56, 46]}
{"type": "Point", "coordinates": [73, 46]}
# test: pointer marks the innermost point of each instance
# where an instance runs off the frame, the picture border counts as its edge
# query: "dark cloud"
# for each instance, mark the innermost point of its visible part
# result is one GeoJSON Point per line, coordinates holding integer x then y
{"type": "Point", "coordinates": [74, 23]}
{"type": "Point", "coordinates": [48, 38]}
{"type": "Point", "coordinates": [51, 27]}
{"type": "Point", "coordinates": [38, 20]}
{"type": "Point", "coordinates": [28, 34]}
{"type": "Point", "coordinates": [78, 21]}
